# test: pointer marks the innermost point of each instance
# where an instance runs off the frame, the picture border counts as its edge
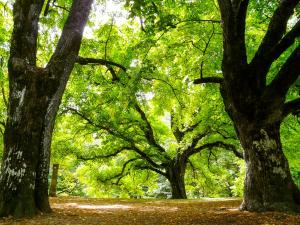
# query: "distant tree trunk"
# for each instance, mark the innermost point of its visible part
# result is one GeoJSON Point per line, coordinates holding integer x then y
{"type": "Point", "coordinates": [175, 175]}
{"type": "Point", "coordinates": [35, 94]}
{"type": "Point", "coordinates": [52, 191]}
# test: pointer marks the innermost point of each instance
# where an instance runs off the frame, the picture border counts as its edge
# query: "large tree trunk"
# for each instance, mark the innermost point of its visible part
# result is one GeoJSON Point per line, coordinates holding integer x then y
{"type": "Point", "coordinates": [256, 107]}
{"type": "Point", "coordinates": [268, 183]}
{"type": "Point", "coordinates": [35, 95]}
{"type": "Point", "coordinates": [176, 172]}
{"type": "Point", "coordinates": [22, 140]}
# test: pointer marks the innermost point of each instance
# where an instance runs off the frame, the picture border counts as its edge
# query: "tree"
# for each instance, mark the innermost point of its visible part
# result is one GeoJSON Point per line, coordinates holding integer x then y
{"type": "Point", "coordinates": [34, 97]}
{"type": "Point", "coordinates": [140, 140]}
{"type": "Point", "coordinates": [129, 128]}
{"type": "Point", "coordinates": [257, 107]}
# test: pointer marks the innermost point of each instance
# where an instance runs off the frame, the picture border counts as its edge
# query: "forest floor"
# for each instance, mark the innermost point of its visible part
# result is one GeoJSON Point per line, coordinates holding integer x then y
{"type": "Point", "coordinates": [80, 211]}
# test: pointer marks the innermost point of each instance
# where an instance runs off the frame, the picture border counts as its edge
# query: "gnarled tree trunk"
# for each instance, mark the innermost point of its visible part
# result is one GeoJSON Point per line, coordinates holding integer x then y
{"type": "Point", "coordinates": [35, 95]}
{"type": "Point", "coordinates": [257, 108]}
{"type": "Point", "coordinates": [268, 183]}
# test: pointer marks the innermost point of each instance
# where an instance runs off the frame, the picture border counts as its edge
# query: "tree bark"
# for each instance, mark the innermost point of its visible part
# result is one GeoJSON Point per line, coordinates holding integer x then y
{"type": "Point", "coordinates": [268, 184]}
{"type": "Point", "coordinates": [34, 98]}
{"type": "Point", "coordinates": [175, 175]}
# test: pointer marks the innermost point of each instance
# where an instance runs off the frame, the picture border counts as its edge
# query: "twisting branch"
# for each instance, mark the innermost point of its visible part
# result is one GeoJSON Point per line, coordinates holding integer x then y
{"type": "Point", "coordinates": [197, 138]}
{"type": "Point", "coordinates": [149, 130]}
{"type": "Point", "coordinates": [217, 144]}
{"type": "Point", "coordinates": [146, 157]}
{"type": "Point", "coordinates": [146, 167]}
{"type": "Point", "coordinates": [133, 147]}
{"type": "Point", "coordinates": [121, 174]}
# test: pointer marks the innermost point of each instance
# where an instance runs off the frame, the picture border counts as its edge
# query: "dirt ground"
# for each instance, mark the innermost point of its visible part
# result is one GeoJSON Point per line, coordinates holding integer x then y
{"type": "Point", "coordinates": [80, 211]}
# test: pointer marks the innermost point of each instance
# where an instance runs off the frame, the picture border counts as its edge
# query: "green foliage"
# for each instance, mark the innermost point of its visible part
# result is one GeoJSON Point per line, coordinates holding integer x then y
{"type": "Point", "coordinates": [290, 141]}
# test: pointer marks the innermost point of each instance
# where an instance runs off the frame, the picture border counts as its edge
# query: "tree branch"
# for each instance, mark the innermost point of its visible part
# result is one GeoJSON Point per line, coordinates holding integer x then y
{"type": "Point", "coordinates": [118, 175]}
{"type": "Point", "coordinates": [233, 14]}
{"type": "Point", "coordinates": [85, 61]}
{"type": "Point", "coordinates": [24, 38]}
{"type": "Point", "coordinates": [66, 52]}
{"type": "Point", "coordinates": [216, 144]}
{"type": "Point", "coordinates": [214, 80]}
{"type": "Point", "coordinates": [286, 76]}
{"type": "Point", "coordinates": [276, 29]}
{"type": "Point", "coordinates": [149, 130]}
{"type": "Point", "coordinates": [144, 155]}
{"type": "Point", "coordinates": [102, 156]}
{"type": "Point", "coordinates": [287, 41]}
{"type": "Point", "coordinates": [144, 167]}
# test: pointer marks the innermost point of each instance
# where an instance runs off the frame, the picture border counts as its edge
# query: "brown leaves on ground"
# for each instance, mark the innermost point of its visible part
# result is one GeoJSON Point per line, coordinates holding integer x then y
{"type": "Point", "coordinates": [80, 211]}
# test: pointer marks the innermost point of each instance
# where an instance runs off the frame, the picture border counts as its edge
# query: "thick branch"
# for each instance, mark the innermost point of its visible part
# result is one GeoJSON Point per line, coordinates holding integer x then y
{"type": "Point", "coordinates": [213, 80]}
{"type": "Point", "coordinates": [24, 37]}
{"type": "Point", "coordinates": [276, 29]}
{"type": "Point", "coordinates": [85, 61]}
{"type": "Point", "coordinates": [233, 14]}
{"type": "Point", "coordinates": [66, 52]}
{"type": "Point", "coordinates": [285, 43]}
{"type": "Point", "coordinates": [197, 138]}
{"type": "Point", "coordinates": [287, 75]}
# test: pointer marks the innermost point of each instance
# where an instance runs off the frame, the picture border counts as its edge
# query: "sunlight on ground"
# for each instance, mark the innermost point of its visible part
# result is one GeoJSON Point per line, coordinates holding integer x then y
{"type": "Point", "coordinates": [113, 207]}
{"type": "Point", "coordinates": [81, 206]}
